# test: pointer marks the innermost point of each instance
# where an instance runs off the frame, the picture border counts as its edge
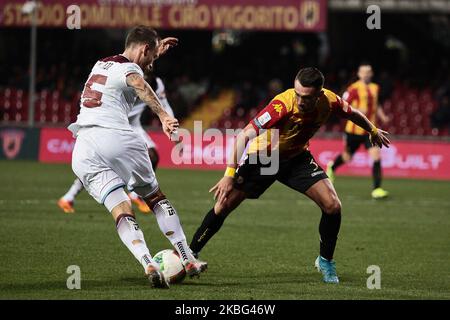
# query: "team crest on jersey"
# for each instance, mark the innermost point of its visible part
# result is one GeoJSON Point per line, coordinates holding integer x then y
{"type": "Point", "coordinates": [278, 107]}
{"type": "Point", "coordinates": [12, 142]}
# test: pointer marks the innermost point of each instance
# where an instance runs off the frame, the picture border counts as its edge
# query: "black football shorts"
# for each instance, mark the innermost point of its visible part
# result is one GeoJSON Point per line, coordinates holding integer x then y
{"type": "Point", "coordinates": [298, 173]}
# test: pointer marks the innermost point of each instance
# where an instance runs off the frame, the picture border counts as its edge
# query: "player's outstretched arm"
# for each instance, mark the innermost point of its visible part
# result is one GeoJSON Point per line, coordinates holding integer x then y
{"type": "Point", "coordinates": [378, 137]}
{"type": "Point", "coordinates": [223, 188]}
{"type": "Point", "coordinates": [146, 94]}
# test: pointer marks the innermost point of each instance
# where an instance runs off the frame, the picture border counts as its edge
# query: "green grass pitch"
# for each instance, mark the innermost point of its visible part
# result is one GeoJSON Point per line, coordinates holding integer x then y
{"type": "Point", "coordinates": [265, 250]}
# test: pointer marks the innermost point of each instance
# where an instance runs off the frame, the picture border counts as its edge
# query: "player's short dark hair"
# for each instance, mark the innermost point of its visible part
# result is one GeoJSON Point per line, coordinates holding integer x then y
{"type": "Point", "coordinates": [142, 35]}
{"type": "Point", "coordinates": [310, 77]}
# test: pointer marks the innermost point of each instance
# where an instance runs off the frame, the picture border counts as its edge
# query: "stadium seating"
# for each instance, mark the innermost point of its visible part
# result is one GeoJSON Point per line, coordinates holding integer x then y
{"type": "Point", "coordinates": [50, 107]}
{"type": "Point", "coordinates": [409, 109]}
{"type": "Point", "coordinates": [13, 105]}
{"type": "Point", "coordinates": [210, 110]}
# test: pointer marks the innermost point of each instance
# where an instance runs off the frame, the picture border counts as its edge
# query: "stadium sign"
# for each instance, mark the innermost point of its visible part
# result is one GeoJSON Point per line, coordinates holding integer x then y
{"type": "Point", "coordinates": [56, 145]}
{"type": "Point", "coordinates": [19, 143]}
{"type": "Point", "coordinates": [408, 159]}
{"type": "Point", "coordinates": [280, 15]}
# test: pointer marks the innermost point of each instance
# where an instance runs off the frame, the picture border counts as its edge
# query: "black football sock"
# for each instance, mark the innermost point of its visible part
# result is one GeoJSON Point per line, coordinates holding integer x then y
{"type": "Point", "coordinates": [329, 228]}
{"type": "Point", "coordinates": [210, 225]}
{"type": "Point", "coordinates": [376, 173]}
{"type": "Point", "coordinates": [337, 162]}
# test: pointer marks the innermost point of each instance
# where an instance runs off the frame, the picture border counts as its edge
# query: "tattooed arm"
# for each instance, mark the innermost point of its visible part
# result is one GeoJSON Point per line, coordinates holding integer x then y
{"type": "Point", "coordinates": [147, 95]}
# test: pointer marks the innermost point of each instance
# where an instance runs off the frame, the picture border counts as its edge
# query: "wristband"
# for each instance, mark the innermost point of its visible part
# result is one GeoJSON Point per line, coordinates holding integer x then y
{"type": "Point", "coordinates": [374, 131]}
{"type": "Point", "coordinates": [230, 172]}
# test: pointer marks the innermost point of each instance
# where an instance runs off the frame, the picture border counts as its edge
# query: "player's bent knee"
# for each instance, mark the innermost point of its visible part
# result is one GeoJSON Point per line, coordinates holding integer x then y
{"type": "Point", "coordinates": [333, 206]}
{"type": "Point", "coordinates": [117, 199]}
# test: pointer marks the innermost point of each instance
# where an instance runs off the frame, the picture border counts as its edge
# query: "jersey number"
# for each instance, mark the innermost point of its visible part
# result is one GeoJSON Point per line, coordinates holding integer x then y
{"type": "Point", "coordinates": [90, 94]}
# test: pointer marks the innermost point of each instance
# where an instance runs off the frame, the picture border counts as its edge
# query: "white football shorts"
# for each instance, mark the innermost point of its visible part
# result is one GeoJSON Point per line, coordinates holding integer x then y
{"type": "Point", "coordinates": [107, 159]}
{"type": "Point", "coordinates": [135, 123]}
{"type": "Point", "coordinates": [148, 140]}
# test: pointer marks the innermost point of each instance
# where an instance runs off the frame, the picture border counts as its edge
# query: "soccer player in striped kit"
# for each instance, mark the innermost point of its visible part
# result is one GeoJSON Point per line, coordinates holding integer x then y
{"type": "Point", "coordinates": [363, 96]}
{"type": "Point", "coordinates": [296, 114]}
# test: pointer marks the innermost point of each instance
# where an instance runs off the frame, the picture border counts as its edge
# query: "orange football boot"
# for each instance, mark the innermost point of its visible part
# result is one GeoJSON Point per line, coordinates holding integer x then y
{"type": "Point", "coordinates": [66, 206]}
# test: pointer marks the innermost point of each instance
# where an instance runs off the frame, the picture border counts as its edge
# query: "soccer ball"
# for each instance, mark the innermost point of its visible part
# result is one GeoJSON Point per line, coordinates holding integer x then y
{"type": "Point", "coordinates": [170, 265]}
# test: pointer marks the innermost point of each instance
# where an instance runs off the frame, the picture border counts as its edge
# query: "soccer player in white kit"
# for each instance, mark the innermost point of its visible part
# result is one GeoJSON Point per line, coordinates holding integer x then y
{"type": "Point", "coordinates": [66, 202]}
{"type": "Point", "coordinates": [108, 155]}
{"type": "Point", "coordinates": [134, 117]}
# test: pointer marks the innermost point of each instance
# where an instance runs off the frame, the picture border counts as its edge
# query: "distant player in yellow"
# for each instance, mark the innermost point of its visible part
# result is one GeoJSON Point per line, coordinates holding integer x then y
{"type": "Point", "coordinates": [296, 114]}
{"type": "Point", "coordinates": [363, 96]}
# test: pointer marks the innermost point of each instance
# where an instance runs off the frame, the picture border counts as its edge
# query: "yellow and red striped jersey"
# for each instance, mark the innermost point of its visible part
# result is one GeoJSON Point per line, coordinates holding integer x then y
{"type": "Point", "coordinates": [363, 97]}
{"type": "Point", "coordinates": [295, 126]}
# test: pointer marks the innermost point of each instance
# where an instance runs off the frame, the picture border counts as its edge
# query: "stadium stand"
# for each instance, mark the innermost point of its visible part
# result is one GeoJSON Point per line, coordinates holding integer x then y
{"type": "Point", "coordinates": [226, 88]}
{"type": "Point", "coordinates": [410, 110]}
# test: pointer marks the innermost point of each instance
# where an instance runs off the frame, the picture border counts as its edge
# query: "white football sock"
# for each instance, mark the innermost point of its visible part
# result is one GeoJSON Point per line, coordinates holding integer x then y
{"type": "Point", "coordinates": [133, 195]}
{"type": "Point", "coordinates": [170, 225]}
{"type": "Point", "coordinates": [74, 190]}
{"type": "Point", "coordinates": [132, 236]}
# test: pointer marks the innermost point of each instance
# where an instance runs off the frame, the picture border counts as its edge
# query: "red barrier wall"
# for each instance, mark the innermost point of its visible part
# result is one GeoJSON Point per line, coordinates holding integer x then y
{"type": "Point", "coordinates": [56, 145]}
{"type": "Point", "coordinates": [411, 159]}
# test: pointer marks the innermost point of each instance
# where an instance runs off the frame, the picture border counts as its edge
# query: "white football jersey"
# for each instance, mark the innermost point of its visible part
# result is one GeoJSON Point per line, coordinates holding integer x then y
{"type": "Point", "coordinates": [107, 83]}
{"type": "Point", "coordinates": [140, 106]}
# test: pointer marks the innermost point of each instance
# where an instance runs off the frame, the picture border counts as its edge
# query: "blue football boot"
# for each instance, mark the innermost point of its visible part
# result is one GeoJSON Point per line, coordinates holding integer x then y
{"type": "Point", "coordinates": [328, 269]}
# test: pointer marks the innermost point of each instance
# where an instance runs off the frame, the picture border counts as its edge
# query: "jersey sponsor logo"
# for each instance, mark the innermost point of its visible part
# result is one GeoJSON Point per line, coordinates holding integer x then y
{"type": "Point", "coordinates": [12, 142]}
{"type": "Point", "coordinates": [264, 118]}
